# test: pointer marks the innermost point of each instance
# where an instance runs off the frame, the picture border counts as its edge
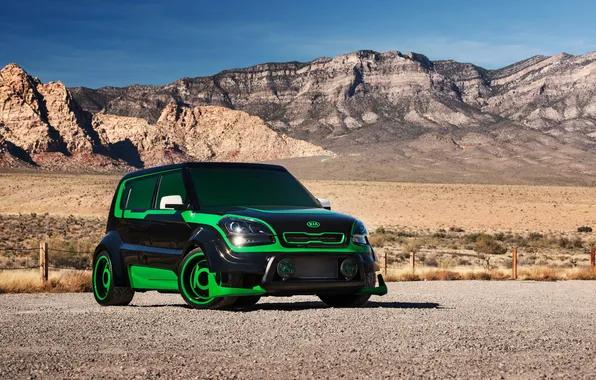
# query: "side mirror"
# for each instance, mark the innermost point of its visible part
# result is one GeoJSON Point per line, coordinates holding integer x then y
{"type": "Point", "coordinates": [171, 202]}
{"type": "Point", "coordinates": [326, 203]}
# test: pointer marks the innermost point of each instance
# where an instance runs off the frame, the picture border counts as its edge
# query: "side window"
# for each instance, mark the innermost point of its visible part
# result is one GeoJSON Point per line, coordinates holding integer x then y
{"type": "Point", "coordinates": [171, 184]}
{"type": "Point", "coordinates": [125, 194]}
{"type": "Point", "coordinates": [140, 196]}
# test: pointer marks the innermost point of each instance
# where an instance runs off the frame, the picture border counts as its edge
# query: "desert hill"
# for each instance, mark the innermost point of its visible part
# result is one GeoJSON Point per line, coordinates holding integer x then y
{"type": "Point", "coordinates": [386, 116]}
{"type": "Point", "coordinates": [42, 126]}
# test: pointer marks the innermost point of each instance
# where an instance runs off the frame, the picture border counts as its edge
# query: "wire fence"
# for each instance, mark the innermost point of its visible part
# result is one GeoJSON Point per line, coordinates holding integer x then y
{"type": "Point", "coordinates": [80, 259]}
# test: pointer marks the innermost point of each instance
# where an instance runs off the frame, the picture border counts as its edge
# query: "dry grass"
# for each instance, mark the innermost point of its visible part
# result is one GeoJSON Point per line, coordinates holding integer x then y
{"type": "Point", "coordinates": [531, 274]}
{"type": "Point", "coordinates": [29, 281]}
{"type": "Point", "coordinates": [446, 275]}
{"type": "Point", "coordinates": [541, 274]}
{"type": "Point", "coordinates": [582, 274]}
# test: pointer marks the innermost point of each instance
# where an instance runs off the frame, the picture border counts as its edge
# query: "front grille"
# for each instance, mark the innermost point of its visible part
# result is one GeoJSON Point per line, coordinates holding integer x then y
{"type": "Point", "coordinates": [316, 268]}
{"type": "Point", "coordinates": [308, 238]}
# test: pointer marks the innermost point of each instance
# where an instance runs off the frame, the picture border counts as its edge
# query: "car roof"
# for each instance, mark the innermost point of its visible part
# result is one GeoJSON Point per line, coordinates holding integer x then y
{"type": "Point", "coordinates": [223, 165]}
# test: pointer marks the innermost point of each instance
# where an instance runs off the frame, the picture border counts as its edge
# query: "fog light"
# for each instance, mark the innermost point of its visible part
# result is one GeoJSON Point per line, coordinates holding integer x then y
{"type": "Point", "coordinates": [349, 268]}
{"type": "Point", "coordinates": [286, 269]}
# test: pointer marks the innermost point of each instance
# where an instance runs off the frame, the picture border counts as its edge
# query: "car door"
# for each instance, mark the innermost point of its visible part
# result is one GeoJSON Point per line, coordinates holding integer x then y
{"type": "Point", "coordinates": [168, 230]}
{"type": "Point", "coordinates": [134, 228]}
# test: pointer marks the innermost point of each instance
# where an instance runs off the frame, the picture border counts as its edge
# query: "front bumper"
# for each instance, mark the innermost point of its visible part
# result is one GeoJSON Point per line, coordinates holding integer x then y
{"type": "Point", "coordinates": [219, 291]}
{"type": "Point", "coordinates": [263, 267]}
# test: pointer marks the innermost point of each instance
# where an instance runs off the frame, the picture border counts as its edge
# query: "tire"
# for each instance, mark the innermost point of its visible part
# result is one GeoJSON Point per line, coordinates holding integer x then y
{"type": "Point", "coordinates": [246, 302]}
{"type": "Point", "coordinates": [350, 300]}
{"type": "Point", "coordinates": [193, 278]}
{"type": "Point", "coordinates": [104, 291]}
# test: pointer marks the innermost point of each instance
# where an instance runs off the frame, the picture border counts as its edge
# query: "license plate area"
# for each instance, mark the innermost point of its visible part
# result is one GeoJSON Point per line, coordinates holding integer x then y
{"type": "Point", "coordinates": [316, 267]}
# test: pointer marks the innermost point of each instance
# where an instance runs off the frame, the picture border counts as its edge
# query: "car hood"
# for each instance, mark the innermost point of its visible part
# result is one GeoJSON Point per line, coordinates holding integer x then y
{"type": "Point", "coordinates": [284, 220]}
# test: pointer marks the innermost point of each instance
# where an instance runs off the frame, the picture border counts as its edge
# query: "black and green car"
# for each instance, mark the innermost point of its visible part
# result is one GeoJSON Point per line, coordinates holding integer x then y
{"type": "Point", "coordinates": [225, 234]}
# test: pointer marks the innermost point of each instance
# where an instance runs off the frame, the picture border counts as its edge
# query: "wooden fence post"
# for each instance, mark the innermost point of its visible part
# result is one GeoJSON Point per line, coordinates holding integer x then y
{"type": "Point", "coordinates": [385, 262]}
{"type": "Point", "coordinates": [592, 258]}
{"type": "Point", "coordinates": [413, 261]}
{"type": "Point", "coordinates": [43, 260]}
{"type": "Point", "coordinates": [514, 264]}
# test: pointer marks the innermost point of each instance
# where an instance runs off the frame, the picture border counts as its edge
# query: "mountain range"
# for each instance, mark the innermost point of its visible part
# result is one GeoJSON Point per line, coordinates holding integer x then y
{"type": "Point", "coordinates": [372, 115]}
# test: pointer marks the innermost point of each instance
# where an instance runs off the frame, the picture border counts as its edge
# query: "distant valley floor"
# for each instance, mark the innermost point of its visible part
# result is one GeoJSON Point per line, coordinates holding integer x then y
{"type": "Point", "coordinates": [402, 205]}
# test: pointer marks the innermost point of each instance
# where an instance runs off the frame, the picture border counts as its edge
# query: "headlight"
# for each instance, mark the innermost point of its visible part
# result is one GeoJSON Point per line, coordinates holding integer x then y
{"type": "Point", "coordinates": [244, 232]}
{"type": "Point", "coordinates": [359, 233]}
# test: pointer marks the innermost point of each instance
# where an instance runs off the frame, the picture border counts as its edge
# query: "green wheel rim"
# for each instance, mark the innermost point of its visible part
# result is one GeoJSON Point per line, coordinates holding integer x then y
{"type": "Point", "coordinates": [102, 277]}
{"type": "Point", "coordinates": [194, 282]}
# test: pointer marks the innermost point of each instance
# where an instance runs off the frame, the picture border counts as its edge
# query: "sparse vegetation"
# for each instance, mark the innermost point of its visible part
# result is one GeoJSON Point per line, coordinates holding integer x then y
{"type": "Point", "coordinates": [488, 244]}
{"type": "Point", "coordinates": [70, 240]}
{"type": "Point", "coordinates": [584, 229]}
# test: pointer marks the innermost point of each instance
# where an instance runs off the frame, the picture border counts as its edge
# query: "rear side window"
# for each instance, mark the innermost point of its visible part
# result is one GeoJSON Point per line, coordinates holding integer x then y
{"type": "Point", "coordinates": [171, 184]}
{"type": "Point", "coordinates": [140, 195]}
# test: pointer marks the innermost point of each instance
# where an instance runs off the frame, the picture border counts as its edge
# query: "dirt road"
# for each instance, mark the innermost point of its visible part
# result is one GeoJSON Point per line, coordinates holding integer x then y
{"type": "Point", "coordinates": [420, 330]}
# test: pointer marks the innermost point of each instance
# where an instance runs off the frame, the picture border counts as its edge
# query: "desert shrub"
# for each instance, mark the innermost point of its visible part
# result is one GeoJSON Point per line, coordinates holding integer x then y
{"type": "Point", "coordinates": [421, 258]}
{"type": "Point", "coordinates": [413, 246]}
{"type": "Point", "coordinates": [376, 240]}
{"type": "Point", "coordinates": [584, 229]}
{"type": "Point", "coordinates": [409, 277]}
{"type": "Point", "coordinates": [498, 275]}
{"type": "Point", "coordinates": [535, 236]}
{"type": "Point", "coordinates": [487, 244]}
{"type": "Point", "coordinates": [390, 237]}
{"type": "Point", "coordinates": [380, 230]}
{"type": "Point", "coordinates": [577, 243]}
{"type": "Point", "coordinates": [431, 262]}
{"type": "Point", "coordinates": [441, 275]}
{"type": "Point", "coordinates": [463, 262]}
{"type": "Point", "coordinates": [456, 229]}
{"type": "Point", "coordinates": [471, 238]}
{"type": "Point", "coordinates": [499, 236]}
{"type": "Point", "coordinates": [440, 235]}
{"type": "Point", "coordinates": [564, 242]}
{"type": "Point", "coordinates": [481, 276]}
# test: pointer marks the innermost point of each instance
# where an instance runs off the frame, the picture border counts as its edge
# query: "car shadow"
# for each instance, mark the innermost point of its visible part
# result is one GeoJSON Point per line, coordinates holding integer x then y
{"type": "Point", "coordinates": [311, 305]}
{"type": "Point", "coordinates": [296, 306]}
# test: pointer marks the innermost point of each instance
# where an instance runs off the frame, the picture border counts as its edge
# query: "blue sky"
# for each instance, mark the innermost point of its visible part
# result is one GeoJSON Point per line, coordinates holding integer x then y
{"type": "Point", "coordinates": [117, 43]}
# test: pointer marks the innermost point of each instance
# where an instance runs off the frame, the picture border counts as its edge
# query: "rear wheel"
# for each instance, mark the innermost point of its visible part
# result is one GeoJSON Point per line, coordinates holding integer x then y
{"type": "Point", "coordinates": [194, 282]}
{"type": "Point", "coordinates": [104, 291]}
{"type": "Point", "coordinates": [350, 300]}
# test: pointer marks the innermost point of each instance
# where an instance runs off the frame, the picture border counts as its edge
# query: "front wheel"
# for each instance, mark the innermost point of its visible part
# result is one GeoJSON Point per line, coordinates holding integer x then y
{"type": "Point", "coordinates": [195, 280]}
{"type": "Point", "coordinates": [350, 300]}
{"type": "Point", "coordinates": [104, 291]}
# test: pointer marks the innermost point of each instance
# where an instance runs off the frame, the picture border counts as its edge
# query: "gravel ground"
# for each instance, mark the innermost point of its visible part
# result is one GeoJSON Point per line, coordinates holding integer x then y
{"type": "Point", "coordinates": [420, 330]}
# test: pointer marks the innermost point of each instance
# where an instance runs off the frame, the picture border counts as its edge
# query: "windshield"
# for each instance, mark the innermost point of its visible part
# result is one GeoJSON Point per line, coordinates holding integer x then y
{"type": "Point", "coordinates": [223, 187]}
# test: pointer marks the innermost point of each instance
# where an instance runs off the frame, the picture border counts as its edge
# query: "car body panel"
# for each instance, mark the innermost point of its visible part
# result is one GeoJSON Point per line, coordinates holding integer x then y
{"type": "Point", "coordinates": [147, 246]}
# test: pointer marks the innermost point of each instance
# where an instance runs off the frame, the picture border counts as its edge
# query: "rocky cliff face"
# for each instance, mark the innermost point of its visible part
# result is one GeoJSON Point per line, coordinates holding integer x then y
{"type": "Point", "coordinates": [388, 95]}
{"type": "Point", "coordinates": [41, 125]}
{"type": "Point", "coordinates": [41, 120]}
{"type": "Point", "coordinates": [197, 133]}
{"type": "Point", "coordinates": [398, 113]}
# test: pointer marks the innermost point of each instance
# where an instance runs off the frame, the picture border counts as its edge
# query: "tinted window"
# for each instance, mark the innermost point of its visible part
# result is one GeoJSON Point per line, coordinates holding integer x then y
{"type": "Point", "coordinates": [171, 184]}
{"type": "Point", "coordinates": [141, 193]}
{"type": "Point", "coordinates": [249, 187]}
{"type": "Point", "coordinates": [125, 194]}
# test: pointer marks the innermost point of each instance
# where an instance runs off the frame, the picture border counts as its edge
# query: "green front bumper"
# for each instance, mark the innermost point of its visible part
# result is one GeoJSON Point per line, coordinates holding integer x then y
{"type": "Point", "coordinates": [219, 291]}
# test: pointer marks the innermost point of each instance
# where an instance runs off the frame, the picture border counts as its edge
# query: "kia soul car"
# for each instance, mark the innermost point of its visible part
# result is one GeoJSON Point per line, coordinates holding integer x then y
{"type": "Point", "coordinates": [225, 234]}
